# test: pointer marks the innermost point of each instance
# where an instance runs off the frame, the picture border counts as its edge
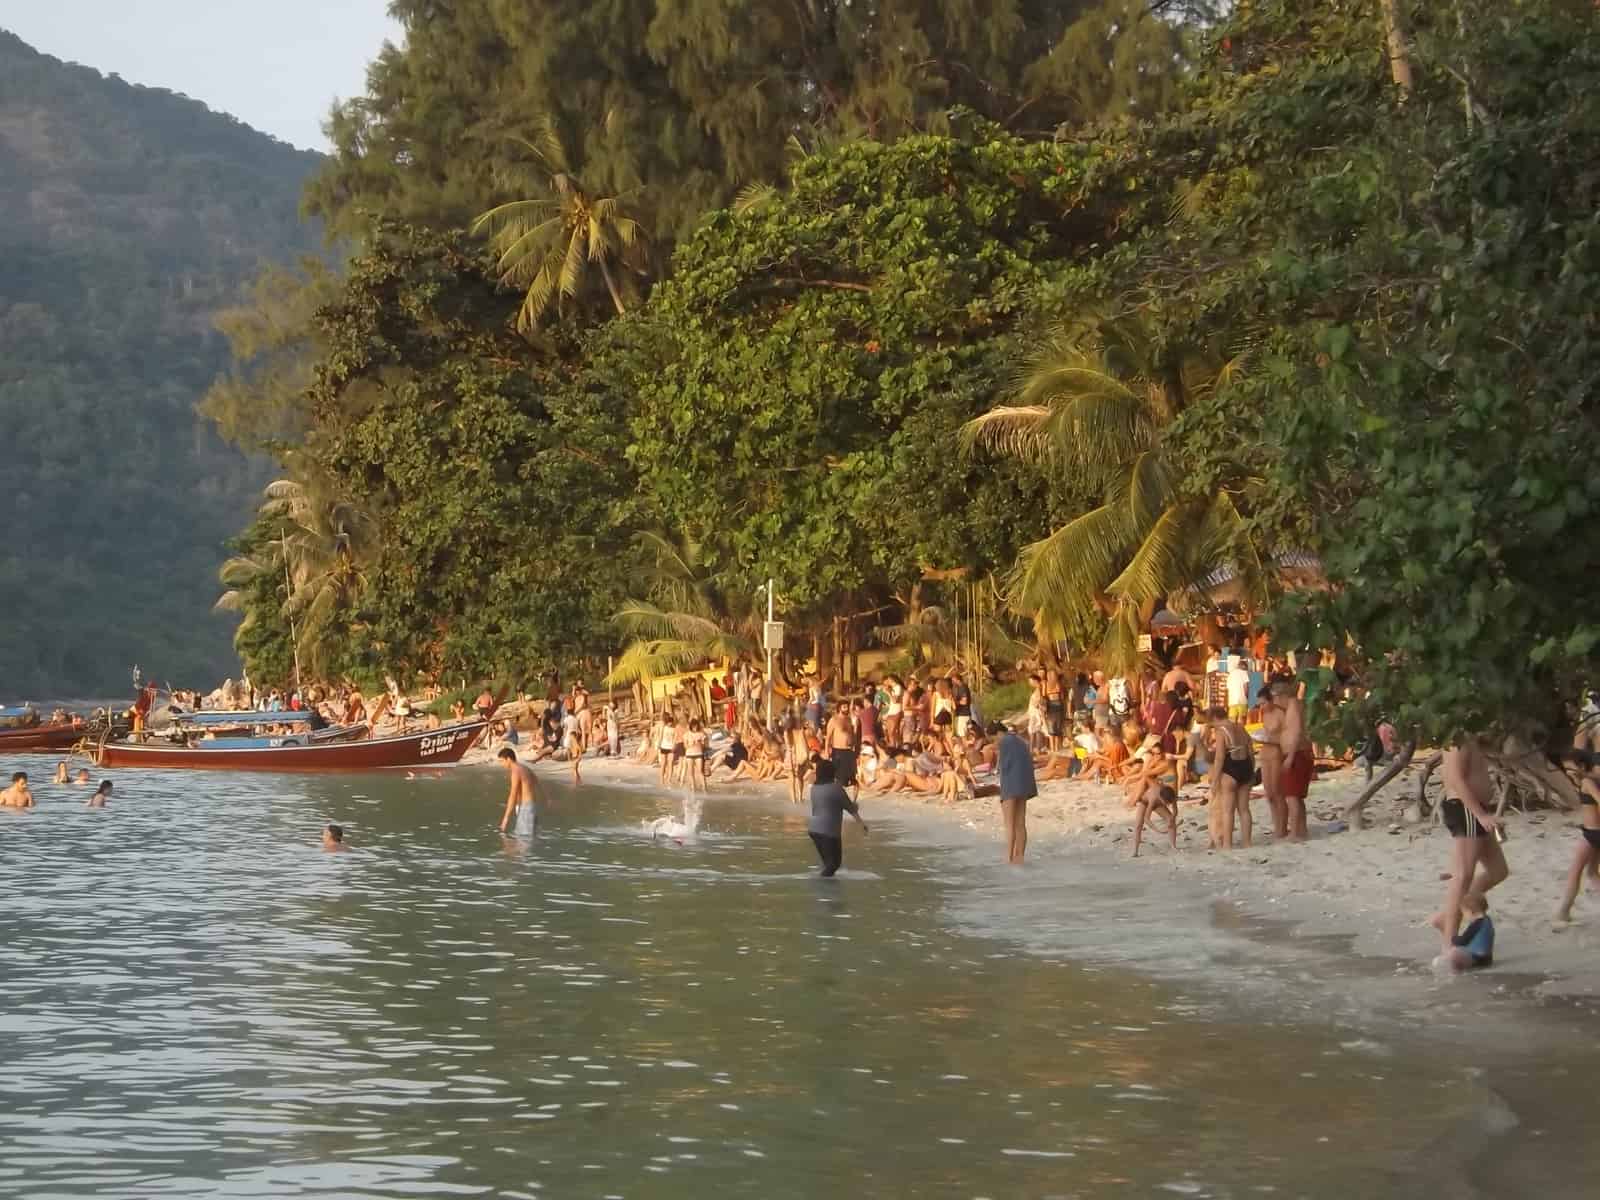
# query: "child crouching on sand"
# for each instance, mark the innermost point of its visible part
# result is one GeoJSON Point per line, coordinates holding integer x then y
{"type": "Point", "coordinates": [1156, 797]}
{"type": "Point", "coordinates": [1474, 945]}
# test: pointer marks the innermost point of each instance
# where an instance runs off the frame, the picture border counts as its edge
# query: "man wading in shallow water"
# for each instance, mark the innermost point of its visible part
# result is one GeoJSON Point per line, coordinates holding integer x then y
{"type": "Point", "coordinates": [522, 802]}
{"type": "Point", "coordinates": [1474, 838]}
{"type": "Point", "coordinates": [829, 803]}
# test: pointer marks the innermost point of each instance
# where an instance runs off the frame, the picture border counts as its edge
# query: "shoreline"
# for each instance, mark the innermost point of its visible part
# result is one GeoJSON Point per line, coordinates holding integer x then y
{"type": "Point", "coordinates": [1363, 895]}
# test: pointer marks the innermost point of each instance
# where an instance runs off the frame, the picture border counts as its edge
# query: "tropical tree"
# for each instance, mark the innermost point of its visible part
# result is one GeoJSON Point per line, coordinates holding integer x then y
{"type": "Point", "coordinates": [685, 618]}
{"type": "Point", "coordinates": [320, 548]}
{"type": "Point", "coordinates": [1099, 405]}
{"type": "Point", "coordinates": [546, 245]}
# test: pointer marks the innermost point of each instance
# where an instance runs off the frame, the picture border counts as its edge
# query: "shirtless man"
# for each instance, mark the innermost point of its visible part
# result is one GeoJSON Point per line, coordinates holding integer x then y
{"type": "Point", "coordinates": [1271, 757]}
{"type": "Point", "coordinates": [17, 795]}
{"type": "Point", "coordinates": [522, 802]}
{"type": "Point", "coordinates": [1473, 828]}
{"type": "Point", "coordinates": [1299, 761]}
{"type": "Point", "coordinates": [840, 738]}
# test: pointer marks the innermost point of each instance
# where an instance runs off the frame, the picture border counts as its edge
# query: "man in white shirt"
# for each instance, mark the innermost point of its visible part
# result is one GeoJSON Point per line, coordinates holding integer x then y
{"type": "Point", "coordinates": [1238, 689]}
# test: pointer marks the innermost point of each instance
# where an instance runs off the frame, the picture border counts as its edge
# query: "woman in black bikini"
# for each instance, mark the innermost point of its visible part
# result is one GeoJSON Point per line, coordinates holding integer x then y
{"type": "Point", "coordinates": [1587, 860]}
{"type": "Point", "coordinates": [1055, 709]}
{"type": "Point", "coordinates": [1233, 770]}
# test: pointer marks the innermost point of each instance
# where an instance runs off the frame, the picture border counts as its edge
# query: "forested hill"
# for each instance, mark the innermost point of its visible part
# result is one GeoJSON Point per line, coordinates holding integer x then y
{"type": "Point", "coordinates": [128, 217]}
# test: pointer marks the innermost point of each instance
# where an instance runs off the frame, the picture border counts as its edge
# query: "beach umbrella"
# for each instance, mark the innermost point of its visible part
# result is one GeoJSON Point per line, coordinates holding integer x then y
{"type": "Point", "coordinates": [1166, 621]}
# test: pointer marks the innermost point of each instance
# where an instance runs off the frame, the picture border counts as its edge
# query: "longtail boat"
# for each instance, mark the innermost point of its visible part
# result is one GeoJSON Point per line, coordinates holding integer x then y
{"type": "Point", "coordinates": [43, 738]}
{"type": "Point", "coordinates": [424, 748]}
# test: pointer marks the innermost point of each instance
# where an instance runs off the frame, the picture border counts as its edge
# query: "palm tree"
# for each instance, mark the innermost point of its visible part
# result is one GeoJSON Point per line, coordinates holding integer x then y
{"type": "Point", "coordinates": [684, 618]}
{"type": "Point", "coordinates": [1101, 406]}
{"type": "Point", "coordinates": [322, 553]}
{"type": "Point", "coordinates": [546, 244]}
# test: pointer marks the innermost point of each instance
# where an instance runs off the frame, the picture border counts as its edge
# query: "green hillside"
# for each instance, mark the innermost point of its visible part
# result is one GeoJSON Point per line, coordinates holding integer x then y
{"type": "Point", "coordinates": [128, 217]}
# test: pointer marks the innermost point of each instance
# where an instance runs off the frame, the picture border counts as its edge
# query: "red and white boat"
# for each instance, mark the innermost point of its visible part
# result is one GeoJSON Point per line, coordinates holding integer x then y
{"type": "Point", "coordinates": [425, 748]}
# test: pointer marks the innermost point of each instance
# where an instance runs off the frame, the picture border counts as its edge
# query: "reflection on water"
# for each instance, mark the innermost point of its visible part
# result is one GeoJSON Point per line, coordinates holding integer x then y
{"type": "Point", "coordinates": [196, 1001]}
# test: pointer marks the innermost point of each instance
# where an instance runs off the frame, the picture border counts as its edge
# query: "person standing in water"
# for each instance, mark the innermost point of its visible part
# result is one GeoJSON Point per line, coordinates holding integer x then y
{"type": "Point", "coordinates": [17, 795]}
{"type": "Point", "coordinates": [522, 801]}
{"type": "Point", "coordinates": [1017, 787]}
{"type": "Point", "coordinates": [829, 803]}
{"type": "Point", "coordinates": [333, 839]}
{"type": "Point", "coordinates": [61, 773]}
{"type": "Point", "coordinates": [101, 795]}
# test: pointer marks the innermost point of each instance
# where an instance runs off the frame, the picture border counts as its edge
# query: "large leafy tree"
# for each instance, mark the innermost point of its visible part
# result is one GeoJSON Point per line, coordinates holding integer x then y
{"type": "Point", "coordinates": [814, 357]}
{"type": "Point", "coordinates": [685, 101]}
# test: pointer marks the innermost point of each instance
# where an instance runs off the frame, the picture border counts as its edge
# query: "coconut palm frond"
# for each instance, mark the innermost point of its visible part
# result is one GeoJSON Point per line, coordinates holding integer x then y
{"type": "Point", "coordinates": [1001, 646]}
{"type": "Point", "coordinates": [1017, 431]}
{"type": "Point", "coordinates": [644, 620]}
{"type": "Point", "coordinates": [1076, 561]}
{"type": "Point", "coordinates": [230, 601]}
{"type": "Point", "coordinates": [1156, 567]}
{"type": "Point", "coordinates": [649, 659]}
{"type": "Point", "coordinates": [1147, 487]}
{"type": "Point", "coordinates": [1120, 650]}
{"type": "Point", "coordinates": [754, 196]}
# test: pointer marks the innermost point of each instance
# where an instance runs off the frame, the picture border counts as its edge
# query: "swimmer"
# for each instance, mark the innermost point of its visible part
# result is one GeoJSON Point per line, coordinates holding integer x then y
{"type": "Point", "coordinates": [17, 795]}
{"type": "Point", "coordinates": [332, 837]}
{"type": "Point", "coordinates": [101, 795]}
{"type": "Point", "coordinates": [522, 801]}
{"type": "Point", "coordinates": [82, 777]}
{"type": "Point", "coordinates": [61, 772]}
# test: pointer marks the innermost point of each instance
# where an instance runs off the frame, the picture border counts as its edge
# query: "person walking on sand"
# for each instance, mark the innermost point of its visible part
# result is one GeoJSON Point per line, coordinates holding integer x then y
{"type": "Point", "coordinates": [1587, 859]}
{"type": "Point", "coordinates": [1474, 836]}
{"type": "Point", "coordinates": [829, 803]}
{"type": "Point", "coordinates": [522, 801]}
{"type": "Point", "coordinates": [572, 738]}
{"type": "Point", "coordinates": [100, 796]}
{"type": "Point", "coordinates": [1233, 770]}
{"type": "Point", "coordinates": [1017, 787]}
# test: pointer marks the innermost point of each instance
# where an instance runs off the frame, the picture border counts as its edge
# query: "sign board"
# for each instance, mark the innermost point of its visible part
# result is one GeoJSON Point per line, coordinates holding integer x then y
{"type": "Point", "coordinates": [1144, 643]}
{"type": "Point", "coordinates": [772, 636]}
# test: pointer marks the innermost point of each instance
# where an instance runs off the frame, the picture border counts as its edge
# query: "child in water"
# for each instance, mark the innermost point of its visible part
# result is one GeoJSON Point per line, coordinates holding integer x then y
{"type": "Point", "coordinates": [1474, 945]}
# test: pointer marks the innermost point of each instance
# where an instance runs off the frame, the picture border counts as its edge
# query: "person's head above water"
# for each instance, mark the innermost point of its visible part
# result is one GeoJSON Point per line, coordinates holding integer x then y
{"type": "Point", "coordinates": [82, 776]}
{"type": "Point", "coordinates": [104, 789]}
{"type": "Point", "coordinates": [19, 777]}
{"type": "Point", "coordinates": [507, 755]}
{"type": "Point", "coordinates": [333, 837]}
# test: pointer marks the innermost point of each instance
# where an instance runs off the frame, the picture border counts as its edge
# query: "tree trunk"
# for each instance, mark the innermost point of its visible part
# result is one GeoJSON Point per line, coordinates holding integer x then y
{"type": "Point", "coordinates": [611, 286]}
{"type": "Point", "coordinates": [1400, 763]}
{"type": "Point", "coordinates": [1399, 53]}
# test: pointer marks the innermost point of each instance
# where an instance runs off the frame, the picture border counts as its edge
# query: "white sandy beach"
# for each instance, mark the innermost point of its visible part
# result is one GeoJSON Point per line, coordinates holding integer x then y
{"type": "Point", "coordinates": [1376, 885]}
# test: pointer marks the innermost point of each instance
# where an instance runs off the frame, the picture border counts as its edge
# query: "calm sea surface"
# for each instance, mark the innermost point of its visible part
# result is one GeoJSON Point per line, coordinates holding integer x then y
{"type": "Point", "coordinates": [196, 1001]}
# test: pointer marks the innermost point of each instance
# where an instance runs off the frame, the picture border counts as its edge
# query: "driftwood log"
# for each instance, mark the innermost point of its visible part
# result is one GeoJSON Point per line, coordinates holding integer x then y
{"type": "Point", "coordinates": [1400, 763]}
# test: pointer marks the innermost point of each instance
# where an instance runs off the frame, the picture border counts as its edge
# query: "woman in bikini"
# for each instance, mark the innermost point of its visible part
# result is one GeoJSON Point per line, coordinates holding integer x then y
{"type": "Point", "coordinates": [669, 739]}
{"type": "Point", "coordinates": [1233, 771]}
{"type": "Point", "coordinates": [694, 756]}
{"type": "Point", "coordinates": [1055, 709]}
{"type": "Point", "coordinates": [1587, 859]}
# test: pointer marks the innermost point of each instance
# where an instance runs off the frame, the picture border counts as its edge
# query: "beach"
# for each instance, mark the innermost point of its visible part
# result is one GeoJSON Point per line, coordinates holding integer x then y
{"type": "Point", "coordinates": [1372, 888]}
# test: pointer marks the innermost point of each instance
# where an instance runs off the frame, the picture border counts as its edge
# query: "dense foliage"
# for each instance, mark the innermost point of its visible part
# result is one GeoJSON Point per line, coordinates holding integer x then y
{"type": "Point", "coordinates": [1330, 290]}
{"type": "Point", "coordinates": [128, 216]}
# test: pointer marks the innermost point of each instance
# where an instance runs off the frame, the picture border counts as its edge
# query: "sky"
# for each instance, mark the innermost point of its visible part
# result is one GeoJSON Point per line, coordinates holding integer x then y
{"type": "Point", "coordinates": [277, 65]}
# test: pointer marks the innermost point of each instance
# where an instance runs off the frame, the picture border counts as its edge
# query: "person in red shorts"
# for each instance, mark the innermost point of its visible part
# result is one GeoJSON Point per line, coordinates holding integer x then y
{"type": "Point", "coordinates": [1299, 762]}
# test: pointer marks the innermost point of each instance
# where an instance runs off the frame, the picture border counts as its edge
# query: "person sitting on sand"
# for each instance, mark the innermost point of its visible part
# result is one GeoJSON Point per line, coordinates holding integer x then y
{"type": "Point", "coordinates": [1473, 947]}
{"type": "Point", "coordinates": [17, 795]}
{"type": "Point", "coordinates": [61, 772]}
{"type": "Point", "coordinates": [333, 839]}
{"type": "Point", "coordinates": [1586, 861]}
{"type": "Point", "coordinates": [100, 796]}
{"type": "Point", "coordinates": [1156, 798]}
{"type": "Point", "coordinates": [1059, 764]}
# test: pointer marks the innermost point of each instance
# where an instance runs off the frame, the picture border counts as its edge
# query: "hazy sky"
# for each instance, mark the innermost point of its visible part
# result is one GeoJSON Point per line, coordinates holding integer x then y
{"type": "Point", "coordinates": [274, 64]}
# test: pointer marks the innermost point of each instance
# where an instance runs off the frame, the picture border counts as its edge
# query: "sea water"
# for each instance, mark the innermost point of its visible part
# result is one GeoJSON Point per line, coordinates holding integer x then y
{"type": "Point", "coordinates": [196, 1000]}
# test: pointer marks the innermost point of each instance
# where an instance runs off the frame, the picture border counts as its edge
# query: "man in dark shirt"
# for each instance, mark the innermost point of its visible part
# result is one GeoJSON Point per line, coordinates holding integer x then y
{"type": "Point", "coordinates": [1017, 787]}
{"type": "Point", "coordinates": [962, 695]}
{"type": "Point", "coordinates": [829, 803]}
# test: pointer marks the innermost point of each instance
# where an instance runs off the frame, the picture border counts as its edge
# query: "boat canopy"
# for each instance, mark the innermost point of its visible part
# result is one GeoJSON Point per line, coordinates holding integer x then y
{"type": "Point", "coordinates": [219, 719]}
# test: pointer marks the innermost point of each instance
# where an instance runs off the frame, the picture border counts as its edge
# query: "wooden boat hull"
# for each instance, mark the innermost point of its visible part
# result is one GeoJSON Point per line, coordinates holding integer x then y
{"type": "Point", "coordinates": [41, 739]}
{"type": "Point", "coordinates": [428, 748]}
